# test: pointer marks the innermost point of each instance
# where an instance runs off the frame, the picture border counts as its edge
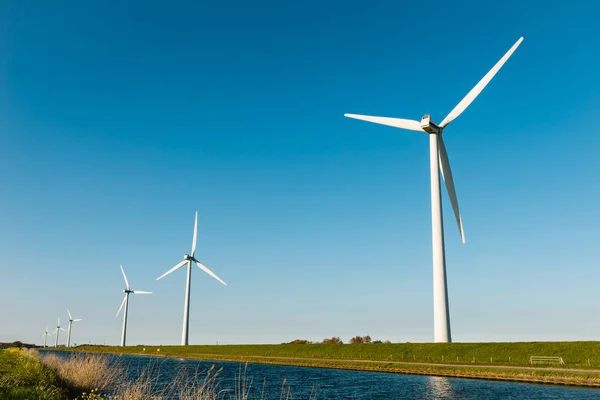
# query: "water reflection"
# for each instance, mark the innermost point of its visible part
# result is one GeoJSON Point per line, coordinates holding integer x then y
{"type": "Point", "coordinates": [439, 388]}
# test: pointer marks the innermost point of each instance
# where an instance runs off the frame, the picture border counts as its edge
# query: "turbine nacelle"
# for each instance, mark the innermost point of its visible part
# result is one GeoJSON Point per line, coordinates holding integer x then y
{"type": "Point", "coordinates": [429, 126]}
{"type": "Point", "coordinates": [188, 257]}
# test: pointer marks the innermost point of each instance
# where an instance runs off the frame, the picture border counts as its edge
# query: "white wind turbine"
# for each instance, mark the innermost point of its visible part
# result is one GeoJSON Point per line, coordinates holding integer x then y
{"type": "Point", "coordinates": [71, 320]}
{"type": "Point", "coordinates": [188, 259]}
{"type": "Point", "coordinates": [45, 336]}
{"type": "Point", "coordinates": [125, 303]}
{"type": "Point", "coordinates": [57, 331]}
{"type": "Point", "coordinates": [438, 156]}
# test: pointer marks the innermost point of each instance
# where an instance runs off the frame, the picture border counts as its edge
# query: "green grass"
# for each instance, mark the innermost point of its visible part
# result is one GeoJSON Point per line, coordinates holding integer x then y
{"type": "Point", "coordinates": [581, 355]}
{"type": "Point", "coordinates": [23, 377]}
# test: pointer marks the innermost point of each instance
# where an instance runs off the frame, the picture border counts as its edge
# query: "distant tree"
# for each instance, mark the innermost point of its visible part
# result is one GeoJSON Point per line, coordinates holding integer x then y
{"type": "Point", "coordinates": [387, 342]}
{"type": "Point", "coordinates": [361, 340]}
{"type": "Point", "coordinates": [377, 342]}
{"type": "Point", "coordinates": [333, 340]}
{"type": "Point", "coordinates": [357, 340]}
{"type": "Point", "coordinates": [300, 341]}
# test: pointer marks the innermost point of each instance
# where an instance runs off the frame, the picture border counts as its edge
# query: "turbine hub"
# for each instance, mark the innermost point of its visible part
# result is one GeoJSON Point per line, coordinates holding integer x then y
{"type": "Point", "coordinates": [429, 126]}
{"type": "Point", "coordinates": [187, 257]}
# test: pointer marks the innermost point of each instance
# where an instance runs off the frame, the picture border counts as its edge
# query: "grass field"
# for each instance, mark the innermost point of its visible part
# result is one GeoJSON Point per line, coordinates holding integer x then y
{"type": "Point", "coordinates": [579, 355]}
{"type": "Point", "coordinates": [23, 376]}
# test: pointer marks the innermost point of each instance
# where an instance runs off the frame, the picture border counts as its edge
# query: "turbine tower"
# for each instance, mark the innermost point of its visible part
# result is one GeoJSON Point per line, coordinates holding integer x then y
{"type": "Point", "coordinates": [57, 331]}
{"type": "Point", "coordinates": [188, 259]}
{"type": "Point", "coordinates": [439, 158]}
{"type": "Point", "coordinates": [125, 303]}
{"type": "Point", "coordinates": [71, 320]}
{"type": "Point", "coordinates": [45, 336]}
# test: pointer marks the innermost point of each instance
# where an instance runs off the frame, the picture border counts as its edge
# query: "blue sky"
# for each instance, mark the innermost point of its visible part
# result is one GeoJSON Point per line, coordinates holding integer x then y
{"type": "Point", "coordinates": [118, 122]}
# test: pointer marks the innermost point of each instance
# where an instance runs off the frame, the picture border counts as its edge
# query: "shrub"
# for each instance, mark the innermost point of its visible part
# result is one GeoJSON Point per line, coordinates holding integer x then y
{"type": "Point", "coordinates": [333, 340]}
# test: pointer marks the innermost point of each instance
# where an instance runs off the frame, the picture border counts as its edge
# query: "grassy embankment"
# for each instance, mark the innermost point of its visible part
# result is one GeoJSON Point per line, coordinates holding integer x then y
{"type": "Point", "coordinates": [501, 361]}
{"type": "Point", "coordinates": [23, 376]}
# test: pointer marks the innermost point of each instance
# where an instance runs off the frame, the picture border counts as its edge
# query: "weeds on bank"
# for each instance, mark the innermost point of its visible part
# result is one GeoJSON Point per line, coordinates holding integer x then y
{"type": "Point", "coordinates": [23, 376]}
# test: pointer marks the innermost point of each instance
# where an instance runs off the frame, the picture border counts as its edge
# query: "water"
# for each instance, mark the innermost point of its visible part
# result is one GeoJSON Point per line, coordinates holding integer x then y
{"type": "Point", "coordinates": [340, 384]}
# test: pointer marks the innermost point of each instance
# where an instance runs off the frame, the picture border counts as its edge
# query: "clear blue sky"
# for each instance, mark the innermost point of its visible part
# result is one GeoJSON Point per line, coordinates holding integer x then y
{"type": "Point", "coordinates": [118, 122]}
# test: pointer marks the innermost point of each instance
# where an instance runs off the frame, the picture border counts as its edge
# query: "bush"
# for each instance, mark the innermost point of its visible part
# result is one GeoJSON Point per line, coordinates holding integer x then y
{"type": "Point", "coordinates": [361, 340]}
{"type": "Point", "coordinates": [333, 340]}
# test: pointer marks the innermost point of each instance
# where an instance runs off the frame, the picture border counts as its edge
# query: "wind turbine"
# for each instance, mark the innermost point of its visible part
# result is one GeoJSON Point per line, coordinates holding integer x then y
{"type": "Point", "coordinates": [125, 303]}
{"type": "Point", "coordinates": [45, 335]}
{"type": "Point", "coordinates": [71, 320]}
{"type": "Point", "coordinates": [57, 331]}
{"type": "Point", "coordinates": [187, 259]}
{"type": "Point", "coordinates": [438, 156]}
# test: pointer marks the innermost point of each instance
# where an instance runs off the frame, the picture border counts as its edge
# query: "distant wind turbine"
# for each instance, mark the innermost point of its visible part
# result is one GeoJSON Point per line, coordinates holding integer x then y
{"type": "Point", "coordinates": [188, 259]}
{"type": "Point", "coordinates": [45, 335]}
{"type": "Point", "coordinates": [71, 320]}
{"type": "Point", "coordinates": [439, 156]}
{"type": "Point", "coordinates": [57, 331]}
{"type": "Point", "coordinates": [125, 303]}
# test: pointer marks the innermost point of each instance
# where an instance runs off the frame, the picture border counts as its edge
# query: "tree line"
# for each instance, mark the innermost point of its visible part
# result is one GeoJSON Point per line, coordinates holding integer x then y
{"type": "Point", "coordinates": [337, 340]}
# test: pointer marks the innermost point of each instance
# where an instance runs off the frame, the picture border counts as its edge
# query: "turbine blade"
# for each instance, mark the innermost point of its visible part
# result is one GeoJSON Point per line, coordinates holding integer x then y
{"type": "Point", "coordinates": [77, 320]}
{"type": "Point", "coordinates": [208, 271]}
{"type": "Point", "coordinates": [195, 234]}
{"type": "Point", "coordinates": [56, 330]}
{"type": "Point", "coordinates": [468, 99]}
{"type": "Point", "coordinates": [395, 122]}
{"type": "Point", "coordinates": [447, 176]}
{"type": "Point", "coordinates": [122, 304]}
{"type": "Point", "coordinates": [62, 329]}
{"type": "Point", "coordinates": [140, 292]}
{"type": "Point", "coordinates": [124, 276]}
{"type": "Point", "coordinates": [175, 268]}
{"type": "Point", "coordinates": [69, 312]}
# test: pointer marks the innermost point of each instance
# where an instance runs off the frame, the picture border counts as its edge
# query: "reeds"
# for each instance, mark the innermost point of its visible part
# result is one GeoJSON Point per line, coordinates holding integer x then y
{"type": "Point", "coordinates": [84, 372]}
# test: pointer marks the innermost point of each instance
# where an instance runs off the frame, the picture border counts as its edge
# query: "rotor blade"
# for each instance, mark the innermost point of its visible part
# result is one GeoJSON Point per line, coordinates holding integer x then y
{"type": "Point", "coordinates": [447, 176]}
{"type": "Point", "coordinates": [56, 330]}
{"type": "Point", "coordinates": [140, 292]}
{"type": "Point", "coordinates": [468, 99]}
{"type": "Point", "coordinates": [175, 268]}
{"type": "Point", "coordinates": [77, 320]}
{"type": "Point", "coordinates": [124, 276]}
{"type": "Point", "coordinates": [195, 234]}
{"type": "Point", "coordinates": [208, 271]}
{"type": "Point", "coordinates": [69, 312]}
{"type": "Point", "coordinates": [122, 304]}
{"type": "Point", "coordinates": [62, 329]}
{"type": "Point", "coordinates": [395, 122]}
